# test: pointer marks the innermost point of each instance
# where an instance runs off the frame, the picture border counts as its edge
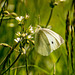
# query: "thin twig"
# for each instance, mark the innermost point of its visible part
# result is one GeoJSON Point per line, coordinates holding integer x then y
{"type": "Point", "coordinates": [52, 6]}
{"type": "Point", "coordinates": [2, 12]}
{"type": "Point", "coordinates": [66, 41]}
{"type": "Point", "coordinates": [10, 52]}
{"type": "Point", "coordinates": [54, 69]}
{"type": "Point", "coordinates": [49, 17]}
{"type": "Point", "coordinates": [7, 18]}
{"type": "Point", "coordinates": [35, 66]}
{"type": "Point", "coordinates": [72, 46]}
{"type": "Point", "coordinates": [72, 36]}
{"type": "Point", "coordinates": [26, 64]}
{"type": "Point", "coordinates": [3, 6]}
{"type": "Point", "coordinates": [11, 64]}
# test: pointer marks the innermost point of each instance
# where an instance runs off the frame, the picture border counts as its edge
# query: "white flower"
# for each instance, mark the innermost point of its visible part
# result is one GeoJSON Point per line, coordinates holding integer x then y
{"type": "Point", "coordinates": [24, 34]}
{"type": "Point", "coordinates": [29, 36]}
{"type": "Point", "coordinates": [17, 40]}
{"type": "Point", "coordinates": [27, 16]}
{"type": "Point", "coordinates": [19, 18]}
{"type": "Point", "coordinates": [18, 33]}
{"type": "Point", "coordinates": [31, 29]}
{"type": "Point", "coordinates": [62, 0]}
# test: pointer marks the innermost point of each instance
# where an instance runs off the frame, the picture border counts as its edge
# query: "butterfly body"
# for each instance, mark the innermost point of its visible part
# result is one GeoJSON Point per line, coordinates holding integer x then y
{"type": "Point", "coordinates": [46, 41]}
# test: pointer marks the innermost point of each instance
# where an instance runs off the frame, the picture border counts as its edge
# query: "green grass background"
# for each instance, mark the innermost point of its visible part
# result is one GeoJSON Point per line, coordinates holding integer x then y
{"type": "Point", "coordinates": [36, 8]}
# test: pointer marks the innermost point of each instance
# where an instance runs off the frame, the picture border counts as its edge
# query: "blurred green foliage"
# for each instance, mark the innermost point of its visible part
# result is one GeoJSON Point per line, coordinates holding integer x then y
{"type": "Point", "coordinates": [38, 11]}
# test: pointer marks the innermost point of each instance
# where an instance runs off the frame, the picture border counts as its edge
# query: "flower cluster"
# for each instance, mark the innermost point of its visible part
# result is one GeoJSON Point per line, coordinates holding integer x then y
{"type": "Point", "coordinates": [27, 36]}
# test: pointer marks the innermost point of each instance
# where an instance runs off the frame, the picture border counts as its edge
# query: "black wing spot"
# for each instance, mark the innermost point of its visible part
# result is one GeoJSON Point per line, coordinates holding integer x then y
{"type": "Point", "coordinates": [52, 42]}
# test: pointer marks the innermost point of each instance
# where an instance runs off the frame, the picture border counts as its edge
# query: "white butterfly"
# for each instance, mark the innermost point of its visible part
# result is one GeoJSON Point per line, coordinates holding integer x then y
{"type": "Point", "coordinates": [46, 41]}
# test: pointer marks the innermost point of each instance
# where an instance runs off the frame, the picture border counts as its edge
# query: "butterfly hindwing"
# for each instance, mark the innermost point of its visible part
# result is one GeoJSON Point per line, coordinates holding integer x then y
{"type": "Point", "coordinates": [42, 44]}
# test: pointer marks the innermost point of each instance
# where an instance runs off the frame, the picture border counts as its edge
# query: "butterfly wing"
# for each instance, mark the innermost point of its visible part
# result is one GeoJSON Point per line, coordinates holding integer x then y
{"type": "Point", "coordinates": [54, 39]}
{"type": "Point", "coordinates": [42, 44]}
{"type": "Point", "coordinates": [46, 41]}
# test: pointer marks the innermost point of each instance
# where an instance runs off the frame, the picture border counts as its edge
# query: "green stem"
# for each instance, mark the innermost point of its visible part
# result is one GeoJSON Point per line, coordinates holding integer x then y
{"type": "Point", "coordinates": [66, 41]}
{"type": "Point", "coordinates": [11, 64]}
{"type": "Point", "coordinates": [26, 64]}
{"type": "Point", "coordinates": [49, 17]}
{"type": "Point", "coordinates": [6, 58]}
{"type": "Point", "coordinates": [35, 66]}
{"type": "Point", "coordinates": [72, 46]}
{"type": "Point", "coordinates": [2, 12]}
{"type": "Point", "coordinates": [72, 37]}
{"type": "Point", "coordinates": [7, 18]}
{"type": "Point", "coordinates": [54, 70]}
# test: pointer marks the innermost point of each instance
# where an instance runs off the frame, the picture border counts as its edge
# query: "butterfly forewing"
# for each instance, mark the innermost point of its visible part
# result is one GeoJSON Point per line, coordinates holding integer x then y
{"type": "Point", "coordinates": [57, 36]}
{"type": "Point", "coordinates": [54, 44]}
